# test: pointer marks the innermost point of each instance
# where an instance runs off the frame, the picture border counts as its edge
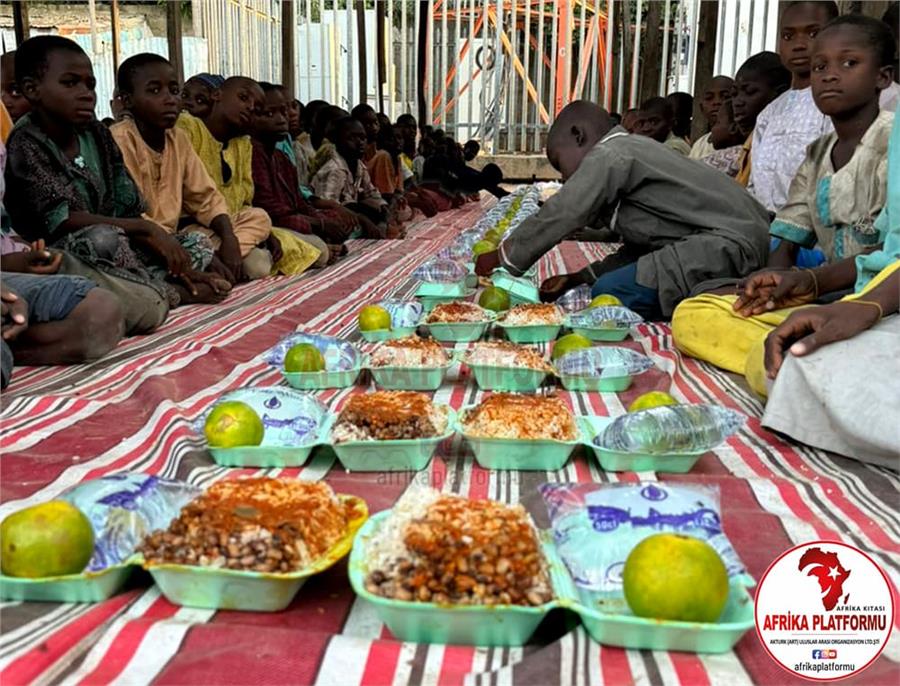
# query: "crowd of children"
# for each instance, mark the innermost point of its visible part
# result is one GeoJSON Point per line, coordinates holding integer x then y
{"type": "Point", "coordinates": [788, 200]}
{"type": "Point", "coordinates": [191, 190]}
{"type": "Point", "coordinates": [790, 207]}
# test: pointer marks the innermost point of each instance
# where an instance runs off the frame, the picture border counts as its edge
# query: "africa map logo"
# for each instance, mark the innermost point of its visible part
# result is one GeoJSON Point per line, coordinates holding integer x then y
{"type": "Point", "coordinates": [831, 574]}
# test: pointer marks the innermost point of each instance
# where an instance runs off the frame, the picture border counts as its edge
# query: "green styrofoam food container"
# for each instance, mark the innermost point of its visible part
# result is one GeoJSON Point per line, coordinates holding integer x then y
{"type": "Point", "coordinates": [532, 333]}
{"type": "Point", "coordinates": [441, 290]}
{"type": "Point", "coordinates": [229, 589]}
{"type": "Point", "coordinates": [87, 587]}
{"type": "Point", "coordinates": [409, 378]}
{"type": "Point", "coordinates": [609, 624]}
{"type": "Point", "coordinates": [614, 384]}
{"type": "Point", "coordinates": [294, 425]}
{"type": "Point", "coordinates": [507, 625]}
{"type": "Point", "coordinates": [614, 461]}
{"type": "Point", "coordinates": [609, 335]}
{"type": "Point", "coordinates": [398, 455]}
{"type": "Point", "coordinates": [512, 379]}
{"type": "Point", "coordinates": [621, 628]}
{"type": "Point", "coordinates": [453, 332]}
{"type": "Point", "coordinates": [379, 335]}
{"type": "Point", "coordinates": [315, 381]}
{"type": "Point", "coordinates": [521, 289]}
{"type": "Point", "coordinates": [430, 302]}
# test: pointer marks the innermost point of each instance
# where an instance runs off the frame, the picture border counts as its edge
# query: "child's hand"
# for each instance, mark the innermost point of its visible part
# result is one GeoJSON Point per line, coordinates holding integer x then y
{"type": "Point", "coordinates": [487, 262]}
{"type": "Point", "coordinates": [42, 261]}
{"type": "Point", "coordinates": [274, 247]}
{"type": "Point", "coordinates": [167, 248]}
{"type": "Point", "coordinates": [230, 254]}
{"type": "Point", "coordinates": [773, 290]}
{"type": "Point", "coordinates": [554, 287]}
{"type": "Point", "coordinates": [14, 313]}
{"type": "Point", "coordinates": [809, 329]}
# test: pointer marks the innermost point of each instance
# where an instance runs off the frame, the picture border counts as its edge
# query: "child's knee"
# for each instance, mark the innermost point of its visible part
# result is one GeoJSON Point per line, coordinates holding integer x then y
{"type": "Point", "coordinates": [98, 323]}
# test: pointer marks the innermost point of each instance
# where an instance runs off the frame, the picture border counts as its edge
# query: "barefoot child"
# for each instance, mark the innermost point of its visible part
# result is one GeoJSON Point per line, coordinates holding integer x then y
{"type": "Point", "coordinates": [276, 189]}
{"type": "Point", "coordinates": [67, 184]}
{"type": "Point", "coordinates": [835, 198]}
{"type": "Point", "coordinates": [165, 167]}
{"type": "Point", "coordinates": [681, 222]}
{"type": "Point", "coordinates": [224, 148]}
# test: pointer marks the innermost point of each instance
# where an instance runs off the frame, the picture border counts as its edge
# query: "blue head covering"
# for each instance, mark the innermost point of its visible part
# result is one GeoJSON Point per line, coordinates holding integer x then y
{"type": "Point", "coordinates": [214, 81]}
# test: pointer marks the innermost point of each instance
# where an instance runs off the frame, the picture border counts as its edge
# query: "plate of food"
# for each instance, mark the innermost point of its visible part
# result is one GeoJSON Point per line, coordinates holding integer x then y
{"type": "Point", "coordinates": [532, 323]}
{"type": "Point", "coordinates": [604, 323]}
{"type": "Point", "coordinates": [264, 427]}
{"type": "Point", "coordinates": [458, 321]}
{"type": "Point", "coordinates": [604, 369]}
{"type": "Point", "coordinates": [311, 361]}
{"type": "Point", "coordinates": [410, 364]}
{"type": "Point", "coordinates": [390, 430]}
{"type": "Point", "coordinates": [439, 569]}
{"type": "Point", "coordinates": [250, 544]}
{"type": "Point", "coordinates": [522, 432]}
{"type": "Point", "coordinates": [504, 366]}
{"type": "Point", "coordinates": [80, 548]}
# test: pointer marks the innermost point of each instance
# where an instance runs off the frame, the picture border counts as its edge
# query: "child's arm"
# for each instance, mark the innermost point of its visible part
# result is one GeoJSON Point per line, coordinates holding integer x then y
{"type": "Point", "coordinates": [599, 182]}
{"type": "Point", "coordinates": [793, 223]}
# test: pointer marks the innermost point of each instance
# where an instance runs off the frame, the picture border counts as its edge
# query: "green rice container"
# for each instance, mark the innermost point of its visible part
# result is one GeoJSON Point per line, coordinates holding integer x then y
{"type": "Point", "coordinates": [379, 335]}
{"type": "Point", "coordinates": [513, 454]}
{"type": "Point", "coordinates": [532, 333]}
{"type": "Point", "coordinates": [511, 379]}
{"type": "Point", "coordinates": [397, 455]}
{"type": "Point", "coordinates": [409, 378]}
{"type": "Point", "coordinates": [230, 589]}
{"type": "Point", "coordinates": [603, 369]}
{"type": "Point", "coordinates": [521, 289]}
{"type": "Point", "coordinates": [315, 381]}
{"type": "Point", "coordinates": [609, 335]}
{"type": "Point", "coordinates": [508, 625]}
{"type": "Point", "coordinates": [455, 332]}
{"type": "Point", "coordinates": [618, 627]}
{"type": "Point", "coordinates": [87, 587]}
{"type": "Point", "coordinates": [441, 290]}
{"type": "Point", "coordinates": [597, 384]}
{"type": "Point", "coordinates": [614, 461]}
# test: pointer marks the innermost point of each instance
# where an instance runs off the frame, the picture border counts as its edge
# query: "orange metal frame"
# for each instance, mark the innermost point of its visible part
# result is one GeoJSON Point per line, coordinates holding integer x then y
{"type": "Point", "coordinates": [567, 21]}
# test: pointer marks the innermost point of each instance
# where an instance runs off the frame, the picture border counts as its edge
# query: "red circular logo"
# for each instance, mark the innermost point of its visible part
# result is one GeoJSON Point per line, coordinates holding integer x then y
{"type": "Point", "coordinates": [824, 610]}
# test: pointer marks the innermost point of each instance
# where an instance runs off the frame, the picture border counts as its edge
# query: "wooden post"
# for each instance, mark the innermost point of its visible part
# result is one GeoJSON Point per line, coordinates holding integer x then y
{"type": "Point", "coordinates": [362, 55]}
{"type": "Point", "coordinates": [173, 33]}
{"type": "Point", "coordinates": [706, 56]}
{"type": "Point", "coordinates": [381, 26]}
{"type": "Point", "coordinates": [651, 56]}
{"type": "Point", "coordinates": [288, 21]}
{"type": "Point", "coordinates": [114, 29]}
{"type": "Point", "coordinates": [20, 21]}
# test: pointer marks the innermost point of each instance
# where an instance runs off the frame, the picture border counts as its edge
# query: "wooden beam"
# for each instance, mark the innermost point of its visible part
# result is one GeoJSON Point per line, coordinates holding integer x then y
{"type": "Point", "coordinates": [706, 55]}
{"type": "Point", "coordinates": [288, 21]}
{"type": "Point", "coordinates": [20, 21]}
{"type": "Point", "coordinates": [173, 34]}
{"type": "Point", "coordinates": [651, 53]}
{"type": "Point", "coordinates": [362, 55]}
{"type": "Point", "coordinates": [381, 27]}
{"type": "Point", "coordinates": [114, 30]}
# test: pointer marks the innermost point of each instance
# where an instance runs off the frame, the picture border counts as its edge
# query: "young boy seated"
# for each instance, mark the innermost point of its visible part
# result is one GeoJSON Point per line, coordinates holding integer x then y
{"type": "Point", "coordinates": [16, 104]}
{"type": "Point", "coordinates": [655, 120]}
{"type": "Point", "coordinates": [365, 114]}
{"type": "Point", "coordinates": [759, 80]}
{"type": "Point", "coordinates": [166, 169]}
{"type": "Point", "coordinates": [276, 189]}
{"type": "Point", "coordinates": [304, 150]}
{"type": "Point", "coordinates": [222, 142]}
{"type": "Point", "coordinates": [67, 184]}
{"type": "Point", "coordinates": [199, 92]}
{"type": "Point", "coordinates": [681, 222]}
{"type": "Point", "coordinates": [715, 95]}
{"type": "Point", "coordinates": [727, 142]}
{"type": "Point", "coordinates": [834, 201]}
{"type": "Point", "coordinates": [683, 114]}
{"type": "Point", "coordinates": [409, 131]}
{"type": "Point", "coordinates": [345, 179]}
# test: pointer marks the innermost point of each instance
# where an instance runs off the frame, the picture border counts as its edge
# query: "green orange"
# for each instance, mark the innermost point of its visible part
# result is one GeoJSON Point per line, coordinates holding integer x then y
{"type": "Point", "coordinates": [50, 539]}
{"type": "Point", "coordinates": [568, 343]}
{"type": "Point", "coordinates": [233, 424]}
{"type": "Point", "coordinates": [304, 357]}
{"type": "Point", "coordinates": [374, 318]}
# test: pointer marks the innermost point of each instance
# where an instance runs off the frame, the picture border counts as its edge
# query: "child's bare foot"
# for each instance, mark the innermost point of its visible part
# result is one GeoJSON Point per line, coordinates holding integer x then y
{"type": "Point", "coordinates": [202, 288]}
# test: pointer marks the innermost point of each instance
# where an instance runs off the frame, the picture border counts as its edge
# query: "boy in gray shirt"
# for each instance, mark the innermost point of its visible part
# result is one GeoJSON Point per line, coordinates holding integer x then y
{"type": "Point", "coordinates": [681, 222]}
